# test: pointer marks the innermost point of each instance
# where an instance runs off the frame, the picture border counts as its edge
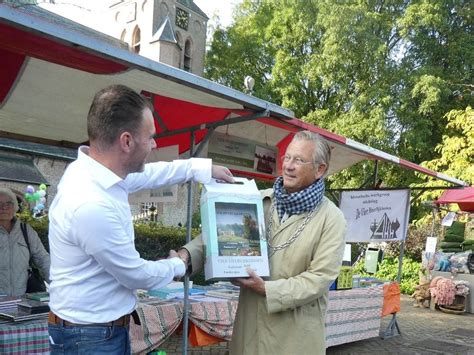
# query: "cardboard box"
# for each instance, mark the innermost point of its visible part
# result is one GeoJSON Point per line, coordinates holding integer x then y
{"type": "Point", "coordinates": [233, 230]}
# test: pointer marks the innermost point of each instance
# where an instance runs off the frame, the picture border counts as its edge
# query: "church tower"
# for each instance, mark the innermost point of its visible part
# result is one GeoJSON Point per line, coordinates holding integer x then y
{"type": "Point", "coordinates": [170, 31]}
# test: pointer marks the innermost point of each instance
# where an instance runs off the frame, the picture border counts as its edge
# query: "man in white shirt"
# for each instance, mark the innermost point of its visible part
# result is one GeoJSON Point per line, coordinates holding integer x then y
{"type": "Point", "coordinates": [95, 267]}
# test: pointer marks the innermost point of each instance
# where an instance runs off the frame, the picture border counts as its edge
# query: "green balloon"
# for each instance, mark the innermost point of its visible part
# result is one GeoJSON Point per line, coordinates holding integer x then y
{"type": "Point", "coordinates": [42, 187]}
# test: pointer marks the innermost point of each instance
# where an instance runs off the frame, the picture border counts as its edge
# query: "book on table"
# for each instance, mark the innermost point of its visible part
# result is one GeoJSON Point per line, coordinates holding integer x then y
{"type": "Point", "coordinates": [33, 307]}
{"type": "Point", "coordinates": [18, 316]}
{"type": "Point", "coordinates": [38, 296]}
{"type": "Point", "coordinates": [9, 302]}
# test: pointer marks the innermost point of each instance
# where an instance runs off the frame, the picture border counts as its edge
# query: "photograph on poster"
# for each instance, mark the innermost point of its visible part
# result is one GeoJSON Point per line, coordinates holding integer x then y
{"type": "Point", "coordinates": [376, 215]}
{"type": "Point", "coordinates": [241, 153]}
{"type": "Point", "coordinates": [237, 229]}
{"type": "Point", "coordinates": [265, 160]}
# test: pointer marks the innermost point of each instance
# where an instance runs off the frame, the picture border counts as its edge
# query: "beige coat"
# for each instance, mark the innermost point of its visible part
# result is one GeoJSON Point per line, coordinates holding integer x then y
{"type": "Point", "coordinates": [290, 319]}
{"type": "Point", "coordinates": [14, 259]}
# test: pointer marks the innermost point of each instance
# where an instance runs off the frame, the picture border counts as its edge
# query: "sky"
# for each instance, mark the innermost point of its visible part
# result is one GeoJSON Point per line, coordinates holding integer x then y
{"type": "Point", "coordinates": [221, 8]}
{"type": "Point", "coordinates": [78, 10]}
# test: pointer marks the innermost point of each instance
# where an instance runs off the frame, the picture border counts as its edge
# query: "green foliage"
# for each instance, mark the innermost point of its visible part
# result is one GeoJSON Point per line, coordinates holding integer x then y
{"type": "Point", "coordinates": [457, 147]}
{"type": "Point", "coordinates": [388, 270]}
{"type": "Point", "coordinates": [40, 225]}
{"type": "Point", "coordinates": [381, 72]}
{"type": "Point", "coordinates": [154, 240]}
{"type": "Point", "coordinates": [416, 239]}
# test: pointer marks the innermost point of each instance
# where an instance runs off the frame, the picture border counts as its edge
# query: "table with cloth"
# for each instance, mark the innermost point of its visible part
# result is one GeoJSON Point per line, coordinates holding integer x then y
{"type": "Point", "coordinates": [28, 337]}
{"type": "Point", "coordinates": [210, 322]}
{"type": "Point", "coordinates": [353, 315]}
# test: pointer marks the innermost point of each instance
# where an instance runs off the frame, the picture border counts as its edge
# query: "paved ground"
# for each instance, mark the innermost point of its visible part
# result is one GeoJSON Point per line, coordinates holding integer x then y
{"type": "Point", "coordinates": [423, 331]}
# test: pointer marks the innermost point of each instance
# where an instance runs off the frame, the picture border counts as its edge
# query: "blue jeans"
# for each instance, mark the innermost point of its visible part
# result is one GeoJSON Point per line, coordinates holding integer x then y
{"type": "Point", "coordinates": [89, 339]}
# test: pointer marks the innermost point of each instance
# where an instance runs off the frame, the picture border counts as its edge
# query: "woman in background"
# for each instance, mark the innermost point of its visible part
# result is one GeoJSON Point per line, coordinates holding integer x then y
{"type": "Point", "coordinates": [14, 252]}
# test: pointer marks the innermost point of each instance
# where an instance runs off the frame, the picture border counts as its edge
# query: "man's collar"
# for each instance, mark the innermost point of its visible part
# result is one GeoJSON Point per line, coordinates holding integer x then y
{"type": "Point", "coordinates": [102, 175]}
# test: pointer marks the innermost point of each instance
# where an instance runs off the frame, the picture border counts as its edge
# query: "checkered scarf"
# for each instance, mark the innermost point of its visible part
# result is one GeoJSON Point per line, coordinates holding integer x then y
{"type": "Point", "coordinates": [297, 202]}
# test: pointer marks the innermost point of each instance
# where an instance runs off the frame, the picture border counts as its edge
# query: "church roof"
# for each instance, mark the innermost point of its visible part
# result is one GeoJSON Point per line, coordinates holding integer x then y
{"type": "Point", "coordinates": [192, 6]}
{"type": "Point", "coordinates": [20, 170]}
{"type": "Point", "coordinates": [165, 32]}
{"type": "Point", "coordinates": [38, 149]}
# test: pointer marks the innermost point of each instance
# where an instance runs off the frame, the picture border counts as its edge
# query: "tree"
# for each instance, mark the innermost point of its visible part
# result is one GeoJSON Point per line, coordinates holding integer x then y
{"type": "Point", "coordinates": [381, 72]}
{"type": "Point", "coordinates": [457, 147]}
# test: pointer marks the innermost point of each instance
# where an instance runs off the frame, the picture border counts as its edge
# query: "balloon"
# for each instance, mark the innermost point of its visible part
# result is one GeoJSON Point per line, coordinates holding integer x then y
{"type": "Point", "coordinates": [28, 197]}
{"type": "Point", "coordinates": [30, 189]}
{"type": "Point", "coordinates": [42, 200]}
{"type": "Point", "coordinates": [40, 206]}
{"type": "Point", "coordinates": [36, 196]}
{"type": "Point", "coordinates": [42, 187]}
{"type": "Point", "coordinates": [42, 193]}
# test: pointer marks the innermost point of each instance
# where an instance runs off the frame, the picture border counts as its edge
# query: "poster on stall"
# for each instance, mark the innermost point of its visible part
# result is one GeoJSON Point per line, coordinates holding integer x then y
{"type": "Point", "coordinates": [162, 194]}
{"type": "Point", "coordinates": [376, 215]}
{"type": "Point", "coordinates": [242, 154]}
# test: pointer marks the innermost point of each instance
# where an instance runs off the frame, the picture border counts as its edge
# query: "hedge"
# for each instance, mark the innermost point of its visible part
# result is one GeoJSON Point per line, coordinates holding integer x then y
{"type": "Point", "coordinates": [152, 240]}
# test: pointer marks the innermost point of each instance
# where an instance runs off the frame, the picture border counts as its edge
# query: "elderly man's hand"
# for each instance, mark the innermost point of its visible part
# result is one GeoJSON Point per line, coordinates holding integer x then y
{"type": "Point", "coordinates": [222, 173]}
{"type": "Point", "coordinates": [253, 282]}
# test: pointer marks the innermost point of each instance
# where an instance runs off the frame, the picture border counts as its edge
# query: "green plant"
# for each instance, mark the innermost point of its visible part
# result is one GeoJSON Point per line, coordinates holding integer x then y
{"type": "Point", "coordinates": [388, 270]}
{"type": "Point", "coordinates": [153, 241]}
{"type": "Point", "coordinates": [40, 225]}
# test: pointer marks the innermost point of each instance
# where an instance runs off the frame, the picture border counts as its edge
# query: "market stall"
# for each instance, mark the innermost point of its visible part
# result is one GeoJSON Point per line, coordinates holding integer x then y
{"type": "Point", "coordinates": [353, 315]}
{"type": "Point", "coordinates": [451, 267]}
{"type": "Point", "coordinates": [55, 66]}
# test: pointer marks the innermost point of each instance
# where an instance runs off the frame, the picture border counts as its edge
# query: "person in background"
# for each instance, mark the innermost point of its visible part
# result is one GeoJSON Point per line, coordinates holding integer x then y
{"type": "Point", "coordinates": [14, 252]}
{"type": "Point", "coordinates": [95, 268]}
{"type": "Point", "coordinates": [305, 234]}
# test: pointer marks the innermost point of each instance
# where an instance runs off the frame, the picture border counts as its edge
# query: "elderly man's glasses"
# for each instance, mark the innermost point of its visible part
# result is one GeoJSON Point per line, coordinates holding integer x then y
{"type": "Point", "coordinates": [8, 204]}
{"type": "Point", "coordinates": [298, 161]}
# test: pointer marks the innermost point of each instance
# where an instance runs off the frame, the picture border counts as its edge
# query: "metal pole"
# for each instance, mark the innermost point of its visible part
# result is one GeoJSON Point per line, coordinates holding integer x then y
{"type": "Point", "coordinates": [188, 239]}
{"type": "Point", "coordinates": [433, 212]}
{"type": "Point", "coordinates": [376, 172]}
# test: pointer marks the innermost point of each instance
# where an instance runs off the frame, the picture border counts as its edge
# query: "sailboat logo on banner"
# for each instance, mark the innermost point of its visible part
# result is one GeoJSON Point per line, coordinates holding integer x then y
{"type": "Point", "coordinates": [384, 229]}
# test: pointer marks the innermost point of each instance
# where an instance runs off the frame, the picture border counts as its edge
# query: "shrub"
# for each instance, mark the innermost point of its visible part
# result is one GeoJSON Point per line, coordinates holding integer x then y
{"type": "Point", "coordinates": [388, 270]}
{"type": "Point", "coordinates": [152, 240]}
{"type": "Point", "coordinates": [416, 239]}
{"type": "Point", "coordinates": [40, 225]}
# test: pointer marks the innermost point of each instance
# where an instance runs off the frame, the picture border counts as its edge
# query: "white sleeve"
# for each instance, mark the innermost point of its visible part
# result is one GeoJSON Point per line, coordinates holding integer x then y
{"type": "Point", "coordinates": [161, 174]}
{"type": "Point", "coordinates": [101, 234]}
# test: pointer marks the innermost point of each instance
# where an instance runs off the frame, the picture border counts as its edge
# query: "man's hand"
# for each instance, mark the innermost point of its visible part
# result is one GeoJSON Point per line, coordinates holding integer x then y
{"type": "Point", "coordinates": [173, 254]}
{"type": "Point", "coordinates": [253, 282]}
{"type": "Point", "coordinates": [183, 254]}
{"type": "Point", "coordinates": [222, 173]}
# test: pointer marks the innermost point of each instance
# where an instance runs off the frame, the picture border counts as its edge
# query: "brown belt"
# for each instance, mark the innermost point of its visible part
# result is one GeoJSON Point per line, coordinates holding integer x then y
{"type": "Point", "coordinates": [121, 322]}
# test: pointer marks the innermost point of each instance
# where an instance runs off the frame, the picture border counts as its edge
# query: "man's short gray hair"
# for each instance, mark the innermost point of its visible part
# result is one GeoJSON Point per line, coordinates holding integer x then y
{"type": "Point", "coordinates": [322, 151]}
{"type": "Point", "coordinates": [7, 192]}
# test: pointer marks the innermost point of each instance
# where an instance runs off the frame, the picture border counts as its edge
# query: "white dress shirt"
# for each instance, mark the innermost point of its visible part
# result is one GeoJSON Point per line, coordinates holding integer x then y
{"type": "Point", "coordinates": [95, 267]}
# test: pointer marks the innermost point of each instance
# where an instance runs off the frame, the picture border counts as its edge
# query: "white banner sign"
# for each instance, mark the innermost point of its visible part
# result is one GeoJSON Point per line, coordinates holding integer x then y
{"type": "Point", "coordinates": [376, 215]}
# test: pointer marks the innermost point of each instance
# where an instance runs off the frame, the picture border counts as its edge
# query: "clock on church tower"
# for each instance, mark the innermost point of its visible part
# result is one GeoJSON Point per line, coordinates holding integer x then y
{"type": "Point", "coordinates": [182, 18]}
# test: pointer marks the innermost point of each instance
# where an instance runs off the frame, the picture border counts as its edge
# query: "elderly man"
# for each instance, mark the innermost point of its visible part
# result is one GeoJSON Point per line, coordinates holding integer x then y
{"type": "Point", "coordinates": [305, 234]}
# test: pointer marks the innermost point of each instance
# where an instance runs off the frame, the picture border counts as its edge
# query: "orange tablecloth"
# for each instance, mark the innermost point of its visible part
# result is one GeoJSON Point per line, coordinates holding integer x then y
{"type": "Point", "coordinates": [391, 299]}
